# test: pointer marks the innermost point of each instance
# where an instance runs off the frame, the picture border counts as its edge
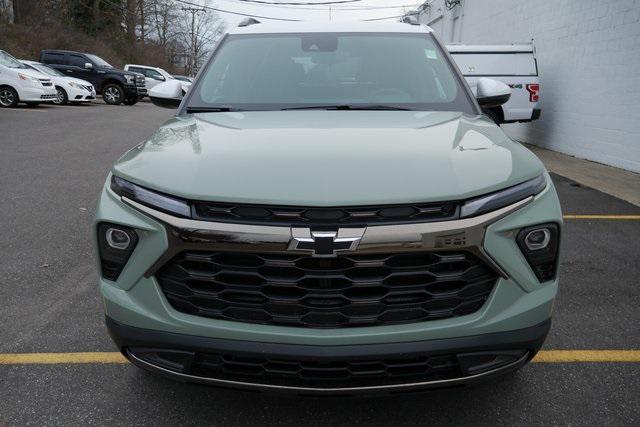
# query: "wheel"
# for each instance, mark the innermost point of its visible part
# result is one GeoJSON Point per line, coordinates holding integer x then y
{"type": "Point", "coordinates": [113, 94]}
{"type": "Point", "coordinates": [8, 97]}
{"type": "Point", "coordinates": [61, 96]}
{"type": "Point", "coordinates": [130, 101]}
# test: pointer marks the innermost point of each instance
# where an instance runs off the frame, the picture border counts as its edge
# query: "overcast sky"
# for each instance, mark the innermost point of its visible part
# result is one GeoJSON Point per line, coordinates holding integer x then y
{"type": "Point", "coordinates": [349, 11]}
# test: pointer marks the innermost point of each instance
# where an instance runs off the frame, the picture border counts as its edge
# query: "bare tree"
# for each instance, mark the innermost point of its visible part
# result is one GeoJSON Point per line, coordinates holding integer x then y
{"type": "Point", "coordinates": [200, 29]}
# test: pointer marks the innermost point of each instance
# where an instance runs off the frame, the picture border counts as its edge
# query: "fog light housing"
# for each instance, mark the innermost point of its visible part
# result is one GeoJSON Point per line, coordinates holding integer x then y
{"type": "Point", "coordinates": [115, 244]}
{"type": "Point", "coordinates": [539, 245]}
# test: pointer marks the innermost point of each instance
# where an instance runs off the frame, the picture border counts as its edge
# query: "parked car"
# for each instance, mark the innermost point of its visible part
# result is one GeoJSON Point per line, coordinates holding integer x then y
{"type": "Point", "coordinates": [18, 83]}
{"type": "Point", "coordinates": [154, 75]}
{"type": "Point", "coordinates": [68, 89]}
{"type": "Point", "coordinates": [183, 78]}
{"type": "Point", "coordinates": [115, 86]}
{"type": "Point", "coordinates": [512, 64]}
{"type": "Point", "coordinates": [329, 212]}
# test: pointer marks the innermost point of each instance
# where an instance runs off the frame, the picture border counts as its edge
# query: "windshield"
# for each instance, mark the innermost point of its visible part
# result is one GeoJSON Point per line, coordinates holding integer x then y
{"type": "Point", "coordinates": [98, 61]}
{"type": "Point", "coordinates": [47, 70]}
{"type": "Point", "coordinates": [9, 61]}
{"type": "Point", "coordinates": [330, 70]}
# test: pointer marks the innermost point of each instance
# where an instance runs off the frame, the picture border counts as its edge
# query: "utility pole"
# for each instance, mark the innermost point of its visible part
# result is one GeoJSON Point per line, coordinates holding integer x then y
{"type": "Point", "coordinates": [193, 11]}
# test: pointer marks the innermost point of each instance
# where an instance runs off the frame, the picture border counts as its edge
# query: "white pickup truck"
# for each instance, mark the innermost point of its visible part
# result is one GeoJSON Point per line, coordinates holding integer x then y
{"type": "Point", "coordinates": [513, 64]}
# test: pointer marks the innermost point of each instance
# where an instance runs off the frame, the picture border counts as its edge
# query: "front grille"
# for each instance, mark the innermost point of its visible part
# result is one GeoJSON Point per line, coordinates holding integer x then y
{"type": "Point", "coordinates": [319, 371]}
{"type": "Point", "coordinates": [140, 82]}
{"type": "Point", "coordinates": [48, 96]}
{"type": "Point", "coordinates": [361, 372]}
{"type": "Point", "coordinates": [292, 215]}
{"type": "Point", "coordinates": [346, 291]}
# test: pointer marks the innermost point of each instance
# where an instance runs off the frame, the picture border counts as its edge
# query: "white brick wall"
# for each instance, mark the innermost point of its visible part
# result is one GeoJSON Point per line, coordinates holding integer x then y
{"type": "Point", "coordinates": [589, 62]}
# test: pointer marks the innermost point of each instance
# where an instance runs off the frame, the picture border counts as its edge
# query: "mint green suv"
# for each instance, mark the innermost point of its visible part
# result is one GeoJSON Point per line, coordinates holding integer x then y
{"type": "Point", "coordinates": [329, 212]}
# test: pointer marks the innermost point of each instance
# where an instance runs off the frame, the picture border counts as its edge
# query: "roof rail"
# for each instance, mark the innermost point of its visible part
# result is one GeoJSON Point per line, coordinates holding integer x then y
{"type": "Point", "coordinates": [248, 21]}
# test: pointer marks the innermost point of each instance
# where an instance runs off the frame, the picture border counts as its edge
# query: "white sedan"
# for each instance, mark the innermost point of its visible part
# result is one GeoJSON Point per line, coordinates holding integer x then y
{"type": "Point", "coordinates": [69, 89]}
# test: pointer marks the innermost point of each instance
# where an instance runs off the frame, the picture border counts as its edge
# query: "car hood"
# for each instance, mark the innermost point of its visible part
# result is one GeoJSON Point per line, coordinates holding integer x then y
{"type": "Point", "coordinates": [323, 158]}
{"type": "Point", "coordinates": [78, 81]}
{"type": "Point", "coordinates": [32, 73]}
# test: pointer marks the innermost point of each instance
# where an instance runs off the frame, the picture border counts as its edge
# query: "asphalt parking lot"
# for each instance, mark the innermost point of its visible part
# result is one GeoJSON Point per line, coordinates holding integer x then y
{"type": "Point", "coordinates": [53, 161]}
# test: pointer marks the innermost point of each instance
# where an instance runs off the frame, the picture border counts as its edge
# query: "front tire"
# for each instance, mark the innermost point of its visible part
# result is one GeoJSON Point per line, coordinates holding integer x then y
{"type": "Point", "coordinates": [130, 101]}
{"type": "Point", "coordinates": [61, 96]}
{"type": "Point", "coordinates": [113, 94]}
{"type": "Point", "coordinates": [8, 97]}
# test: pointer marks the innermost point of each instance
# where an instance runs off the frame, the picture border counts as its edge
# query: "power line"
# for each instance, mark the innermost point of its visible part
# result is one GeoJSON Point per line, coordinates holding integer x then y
{"type": "Point", "coordinates": [270, 3]}
{"type": "Point", "coordinates": [217, 9]}
{"type": "Point", "coordinates": [311, 6]}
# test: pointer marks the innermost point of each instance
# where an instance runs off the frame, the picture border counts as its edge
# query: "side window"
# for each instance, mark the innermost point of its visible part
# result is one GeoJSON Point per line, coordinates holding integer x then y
{"type": "Point", "coordinates": [77, 60]}
{"type": "Point", "coordinates": [153, 74]}
{"type": "Point", "coordinates": [53, 58]}
{"type": "Point", "coordinates": [136, 70]}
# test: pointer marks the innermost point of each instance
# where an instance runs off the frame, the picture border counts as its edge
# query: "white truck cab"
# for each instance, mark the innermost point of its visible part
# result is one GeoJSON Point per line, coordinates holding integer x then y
{"type": "Point", "coordinates": [512, 64]}
{"type": "Point", "coordinates": [18, 83]}
{"type": "Point", "coordinates": [154, 75]}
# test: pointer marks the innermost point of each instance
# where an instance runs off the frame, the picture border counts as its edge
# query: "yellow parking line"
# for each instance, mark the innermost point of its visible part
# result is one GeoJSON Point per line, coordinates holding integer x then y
{"type": "Point", "coordinates": [607, 217]}
{"type": "Point", "coordinates": [564, 356]}
{"type": "Point", "coordinates": [60, 358]}
{"type": "Point", "coordinates": [545, 356]}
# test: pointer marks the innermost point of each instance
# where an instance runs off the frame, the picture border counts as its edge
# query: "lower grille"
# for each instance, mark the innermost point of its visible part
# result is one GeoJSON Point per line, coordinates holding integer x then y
{"type": "Point", "coordinates": [327, 372]}
{"type": "Point", "coordinates": [346, 291]}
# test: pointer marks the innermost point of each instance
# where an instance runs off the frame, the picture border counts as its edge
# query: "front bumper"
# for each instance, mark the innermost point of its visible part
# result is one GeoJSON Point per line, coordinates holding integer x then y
{"type": "Point", "coordinates": [518, 301]}
{"type": "Point", "coordinates": [36, 94]}
{"type": "Point", "coordinates": [329, 370]}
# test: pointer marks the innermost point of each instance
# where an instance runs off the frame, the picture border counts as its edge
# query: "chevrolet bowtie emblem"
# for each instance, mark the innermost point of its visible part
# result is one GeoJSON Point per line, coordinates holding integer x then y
{"type": "Point", "coordinates": [325, 243]}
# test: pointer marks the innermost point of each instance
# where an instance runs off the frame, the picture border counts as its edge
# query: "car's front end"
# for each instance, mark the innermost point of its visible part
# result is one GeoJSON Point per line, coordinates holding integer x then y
{"type": "Point", "coordinates": [79, 90]}
{"type": "Point", "coordinates": [347, 248]}
{"type": "Point", "coordinates": [35, 87]}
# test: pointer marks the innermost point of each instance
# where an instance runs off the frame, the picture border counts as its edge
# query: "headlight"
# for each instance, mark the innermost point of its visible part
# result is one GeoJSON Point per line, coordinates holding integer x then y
{"type": "Point", "coordinates": [76, 85]}
{"type": "Point", "coordinates": [153, 199]}
{"type": "Point", "coordinates": [130, 79]}
{"type": "Point", "coordinates": [502, 198]}
{"type": "Point", "coordinates": [28, 78]}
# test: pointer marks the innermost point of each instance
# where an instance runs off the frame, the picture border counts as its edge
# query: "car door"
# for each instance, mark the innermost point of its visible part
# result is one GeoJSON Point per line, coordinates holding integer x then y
{"type": "Point", "coordinates": [55, 60]}
{"type": "Point", "coordinates": [76, 68]}
{"type": "Point", "coordinates": [142, 71]}
{"type": "Point", "coordinates": [153, 78]}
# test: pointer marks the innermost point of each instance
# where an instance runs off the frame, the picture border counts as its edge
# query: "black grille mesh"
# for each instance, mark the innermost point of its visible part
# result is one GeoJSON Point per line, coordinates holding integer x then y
{"type": "Point", "coordinates": [288, 215]}
{"type": "Point", "coordinates": [346, 291]}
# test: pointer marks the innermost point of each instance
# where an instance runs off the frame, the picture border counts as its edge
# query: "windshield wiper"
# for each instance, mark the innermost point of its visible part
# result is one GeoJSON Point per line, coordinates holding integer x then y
{"type": "Point", "coordinates": [350, 107]}
{"type": "Point", "coordinates": [210, 109]}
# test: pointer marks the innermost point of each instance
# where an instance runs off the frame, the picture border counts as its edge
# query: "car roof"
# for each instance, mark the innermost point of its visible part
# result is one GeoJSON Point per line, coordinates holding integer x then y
{"type": "Point", "coordinates": [484, 48]}
{"type": "Point", "coordinates": [140, 65]}
{"type": "Point", "coordinates": [329, 27]}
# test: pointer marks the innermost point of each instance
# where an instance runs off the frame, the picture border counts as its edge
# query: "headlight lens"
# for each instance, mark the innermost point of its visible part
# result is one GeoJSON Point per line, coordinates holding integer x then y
{"type": "Point", "coordinates": [153, 199]}
{"type": "Point", "coordinates": [76, 85]}
{"type": "Point", "coordinates": [502, 198]}
{"type": "Point", "coordinates": [28, 78]}
{"type": "Point", "coordinates": [129, 78]}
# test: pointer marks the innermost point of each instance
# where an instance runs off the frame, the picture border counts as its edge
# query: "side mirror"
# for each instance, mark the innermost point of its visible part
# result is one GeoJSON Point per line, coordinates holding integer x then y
{"type": "Point", "coordinates": [492, 93]}
{"type": "Point", "coordinates": [88, 65]}
{"type": "Point", "coordinates": [167, 94]}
